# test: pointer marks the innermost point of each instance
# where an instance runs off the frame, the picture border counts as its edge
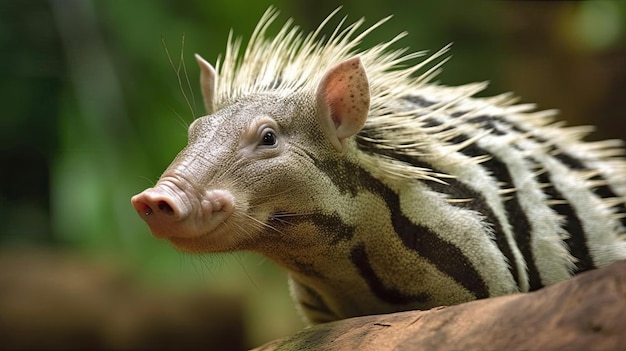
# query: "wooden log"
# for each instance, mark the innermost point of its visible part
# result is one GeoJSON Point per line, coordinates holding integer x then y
{"type": "Point", "coordinates": [587, 312]}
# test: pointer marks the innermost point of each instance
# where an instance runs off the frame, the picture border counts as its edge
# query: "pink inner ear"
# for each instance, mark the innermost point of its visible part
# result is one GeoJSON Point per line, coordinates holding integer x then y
{"type": "Point", "coordinates": [336, 102]}
{"type": "Point", "coordinates": [345, 90]}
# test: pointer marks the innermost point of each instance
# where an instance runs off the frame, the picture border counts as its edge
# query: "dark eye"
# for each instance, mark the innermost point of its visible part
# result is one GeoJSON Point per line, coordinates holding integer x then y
{"type": "Point", "coordinates": [269, 138]}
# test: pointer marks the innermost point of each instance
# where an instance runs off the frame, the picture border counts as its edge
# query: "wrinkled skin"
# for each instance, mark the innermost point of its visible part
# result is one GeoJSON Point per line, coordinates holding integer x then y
{"type": "Point", "coordinates": [252, 178]}
{"type": "Point", "coordinates": [232, 176]}
{"type": "Point", "coordinates": [251, 161]}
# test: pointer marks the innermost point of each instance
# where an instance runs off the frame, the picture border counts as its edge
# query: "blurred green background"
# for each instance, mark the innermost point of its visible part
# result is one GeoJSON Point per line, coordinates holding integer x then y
{"type": "Point", "coordinates": [92, 112]}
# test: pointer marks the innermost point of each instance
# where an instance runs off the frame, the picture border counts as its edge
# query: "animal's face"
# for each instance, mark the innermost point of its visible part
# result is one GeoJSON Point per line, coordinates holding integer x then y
{"type": "Point", "coordinates": [240, 165]}
{"type": "Point", "coordinates": [253, 159]}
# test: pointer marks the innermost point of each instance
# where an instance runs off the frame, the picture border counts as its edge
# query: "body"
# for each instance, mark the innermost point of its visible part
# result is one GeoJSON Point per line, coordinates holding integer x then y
{"type": "Point", "coordinates": [379, 191]}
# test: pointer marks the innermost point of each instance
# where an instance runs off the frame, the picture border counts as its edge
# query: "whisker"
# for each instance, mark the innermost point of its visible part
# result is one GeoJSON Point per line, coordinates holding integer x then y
{"type": "Point", "coordinates": [262, 224]}
{"type": "Point", "coordinates": [240, 230]}
{"type": "Point", "coordinates": [177, 71]}
{"type": "Point", "coordinates": [243, 268]}
{"type": "Point", "coordinates": [182, 61]}
{"type": "Point", "coordinates": [181, 120]}
{"type": "Point", "coordinates": [208, 264]}
{"type": "Point", "coordinates": [290, 214]}
{"type": "Point", "coordinates": [150, 181]}
{"type": "Point", "coordinates": [198, 269]}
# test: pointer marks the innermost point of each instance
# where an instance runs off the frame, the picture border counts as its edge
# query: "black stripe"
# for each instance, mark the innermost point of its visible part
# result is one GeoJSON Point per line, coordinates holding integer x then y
{"type": "Point", "coordinates": [304, 268]}
{"type": "Point", "coordinates": [522, 228]}
{"type": "Point", "coordinates": [576, 242]}
{"type": "Point", "coordinates": [452, 263]}
{"type": "Point", "coordinates": [448, 258]}
{"type": "Point", "coordinates": [420, 101]}
{"type": "Point", "coordinates": [459, 190]}
{"type": "Point", "coordinates": [603, 191]}
{"type": "Point", "coordinates": [332, 225]}
{"type": "Point", "coordinates": [487, 122]}
{"type": "Point", "coordinates": [315, 302]}
{"type": "Point", "coordinates": [359, 258]}
{"type": "Point", "coordinates": [567, 160]}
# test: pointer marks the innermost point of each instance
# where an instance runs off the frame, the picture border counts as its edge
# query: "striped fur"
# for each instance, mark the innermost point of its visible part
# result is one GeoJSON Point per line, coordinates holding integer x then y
{"type": "Point", "coordinates": [439, 198]}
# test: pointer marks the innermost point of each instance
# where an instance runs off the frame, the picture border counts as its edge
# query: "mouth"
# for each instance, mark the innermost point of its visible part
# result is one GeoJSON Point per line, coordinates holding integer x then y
{"type": "Point", "coordinates": [205, 243]}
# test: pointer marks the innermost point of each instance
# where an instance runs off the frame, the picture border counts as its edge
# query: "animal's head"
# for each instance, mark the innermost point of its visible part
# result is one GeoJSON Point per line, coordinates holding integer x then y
{"type": "Point", "coordinates": [252, 158]}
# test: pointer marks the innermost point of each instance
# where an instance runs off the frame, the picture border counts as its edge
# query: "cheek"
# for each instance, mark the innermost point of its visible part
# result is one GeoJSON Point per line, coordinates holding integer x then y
{"type": "Point", "coordinates": [279, 178]}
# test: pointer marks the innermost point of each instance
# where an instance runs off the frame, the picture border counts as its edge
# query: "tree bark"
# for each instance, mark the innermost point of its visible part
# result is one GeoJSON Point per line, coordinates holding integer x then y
{"type": "Point", "coordinates": [587, 312]}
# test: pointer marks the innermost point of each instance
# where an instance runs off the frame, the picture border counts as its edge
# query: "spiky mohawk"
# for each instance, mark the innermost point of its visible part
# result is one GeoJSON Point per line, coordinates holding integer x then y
{"type": "Point", "coordinates": [292, 62]}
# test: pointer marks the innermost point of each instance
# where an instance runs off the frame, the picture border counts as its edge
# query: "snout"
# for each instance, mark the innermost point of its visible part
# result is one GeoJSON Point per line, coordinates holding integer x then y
{"type": "Point", "coordinates": [151, 204]}
{"type": "Point", "coordinates": [173, 210]}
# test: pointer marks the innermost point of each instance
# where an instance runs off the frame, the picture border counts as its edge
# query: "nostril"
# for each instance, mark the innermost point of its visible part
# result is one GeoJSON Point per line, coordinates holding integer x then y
{"type": "Point", "coordinates": [147, 210]}
{"type": "Point", "coordinates": [165, 208]}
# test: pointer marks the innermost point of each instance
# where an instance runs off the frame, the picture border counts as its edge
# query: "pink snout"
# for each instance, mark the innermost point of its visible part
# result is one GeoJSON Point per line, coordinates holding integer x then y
{"type": "Point", "coordinates": [147, 205]}
{"type": "Point", "coordinates": [173, 212]}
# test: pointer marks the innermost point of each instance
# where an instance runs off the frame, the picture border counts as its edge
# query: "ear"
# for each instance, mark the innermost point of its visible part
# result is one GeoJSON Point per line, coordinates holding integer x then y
{"type": "Point", "coordinates": [208, 79]}
{"type": "Point", "coordinates": [343, 101]}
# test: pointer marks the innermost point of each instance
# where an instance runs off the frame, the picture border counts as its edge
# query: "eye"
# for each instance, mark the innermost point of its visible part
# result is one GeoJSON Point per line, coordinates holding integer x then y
{"type": "Point", "coordinates": [269, 138]}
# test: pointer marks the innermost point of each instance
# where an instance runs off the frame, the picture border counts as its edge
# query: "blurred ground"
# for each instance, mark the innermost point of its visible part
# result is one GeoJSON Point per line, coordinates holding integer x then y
{"type": "Point", "coordinates": [57, 300]}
